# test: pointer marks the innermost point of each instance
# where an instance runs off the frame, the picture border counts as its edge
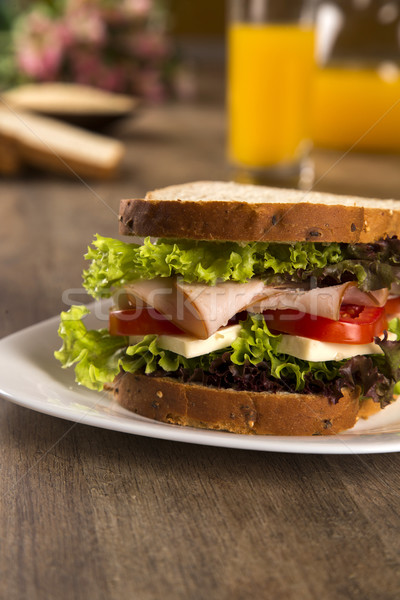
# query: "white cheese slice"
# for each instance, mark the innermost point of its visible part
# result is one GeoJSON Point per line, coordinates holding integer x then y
{"type": "Point", "coordinates": [189, 346]}
{"type": "Point", "coordinates": [294, 345]}
{"type": "Point", "coordinates": [315, 351]}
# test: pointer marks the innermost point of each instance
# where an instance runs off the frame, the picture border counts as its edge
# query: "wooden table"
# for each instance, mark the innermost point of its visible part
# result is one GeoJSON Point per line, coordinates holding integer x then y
{"type": "Point", "coordinates": [88, 513]}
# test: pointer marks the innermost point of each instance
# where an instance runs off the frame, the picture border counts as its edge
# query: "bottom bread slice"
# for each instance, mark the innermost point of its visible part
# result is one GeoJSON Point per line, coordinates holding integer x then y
{"type": "Point", "coordinates": [190, 404]}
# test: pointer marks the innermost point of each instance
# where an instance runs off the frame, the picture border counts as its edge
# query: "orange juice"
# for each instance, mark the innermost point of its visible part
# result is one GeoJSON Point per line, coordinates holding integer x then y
{"type": "Point", "coordinates": [357, 106]}
{"type": "Point", "coordinates": [269, 76]}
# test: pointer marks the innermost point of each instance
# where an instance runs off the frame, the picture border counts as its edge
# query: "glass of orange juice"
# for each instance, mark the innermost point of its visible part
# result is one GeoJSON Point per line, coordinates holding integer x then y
{"type": "Point", "coordinates": [357, 85]}
{"type": "Point", "coordinates": [270, 71]}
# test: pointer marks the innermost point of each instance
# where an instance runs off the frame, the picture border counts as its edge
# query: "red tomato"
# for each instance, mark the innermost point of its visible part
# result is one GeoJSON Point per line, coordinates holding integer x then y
{"type": "Point", "coordinates": [140, 321]}
{"type": "Point", "coordinates": [392, 306]}
{"type": "Point", "coordinates": [356, 325]}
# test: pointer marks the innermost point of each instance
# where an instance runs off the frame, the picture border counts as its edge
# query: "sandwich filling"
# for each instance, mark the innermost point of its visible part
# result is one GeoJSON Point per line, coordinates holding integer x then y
{"type": "Point", "coordinates": [301, 317]}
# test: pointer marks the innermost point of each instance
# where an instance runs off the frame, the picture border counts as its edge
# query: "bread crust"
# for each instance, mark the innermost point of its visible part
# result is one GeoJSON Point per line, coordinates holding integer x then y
{"type": "Point", "coordinates": [298, 217]}
{"type": "Point", "coordinates": [167, 400]}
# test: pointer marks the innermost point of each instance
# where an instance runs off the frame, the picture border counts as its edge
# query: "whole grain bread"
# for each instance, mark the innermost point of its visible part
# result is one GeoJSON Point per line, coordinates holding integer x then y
{"type": "Point", "coordinates": [167, 400]}
{"type": "Point", "coordinates": [216, 210]}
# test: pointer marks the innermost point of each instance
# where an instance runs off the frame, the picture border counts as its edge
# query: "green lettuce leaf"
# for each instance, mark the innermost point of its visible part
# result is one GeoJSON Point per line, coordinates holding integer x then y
{"type": "Point", "coordinates": [385, 250]}
{"type": "Point", "coordinates": [370, 275]}
{"type": "Point", "coordinates": [114, 263]}
{"type": "Point", "coordinates": [391, 351]}
{"type": "Point", "coordinates": [99, 357]}
{"type": "Point", "coordinates": [394, 327]}
{"type": "Point", "coordinates": [96, 353]}
{"type": "Point", "coordinates": [256, 344]}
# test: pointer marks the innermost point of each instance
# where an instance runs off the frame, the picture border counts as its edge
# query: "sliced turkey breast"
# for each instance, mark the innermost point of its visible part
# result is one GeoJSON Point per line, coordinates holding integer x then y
{"type": "Point", "coordinates": [196, 308]}
{"type": "Point", "coordinates": [353, 295]}
{"type": "Point", "coordinates": [323, 302]}
{"type": "Point", "coordinates": [201, 310]}
{"type": "Point", "coordinates": [215, 305]}
{"type": "Point", "coordinates": [162, 294]}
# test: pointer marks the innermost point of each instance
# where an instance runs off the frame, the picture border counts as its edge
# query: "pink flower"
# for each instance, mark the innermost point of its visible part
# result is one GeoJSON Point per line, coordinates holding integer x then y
{"type": "Point", "coordinates": [118, 45]}
{"type": "Point", "coordinates": [40, 46]}
{"type": "Point", "coordinates": [88, 68]}
{"type": "Point", "coordinates": [139, 8]}
{"type": "Point", "coordinates": [39, 63]}
{"type": "Point", "coordinates": [132, 7]}
{"type": "Point", "coordinates": [86, 25]}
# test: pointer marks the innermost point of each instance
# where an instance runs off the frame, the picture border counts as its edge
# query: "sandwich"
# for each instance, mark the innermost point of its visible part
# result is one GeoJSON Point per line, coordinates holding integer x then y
{"type": "Point", "coordinates": [246, 309]}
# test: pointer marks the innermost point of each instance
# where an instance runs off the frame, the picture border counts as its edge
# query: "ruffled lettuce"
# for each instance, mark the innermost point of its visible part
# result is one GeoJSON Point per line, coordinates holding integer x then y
{"type": "Point", "coordinates": [257, 344]}
{"type": "Point", "coordinates": [386, 250]}
{"type": "Point", "coordinates": [96, 354]}
{"type": "Point", "coordinates": [114, 263]}
{"type": "Point", "coordinates": [391, 350]}
{"type": "Point", "coordinates": [373, 266]}
{"type": "Point", "coordinates": [99, 356]}
{"type": "Point", "coordinates": [394, 327]}
{"type": "Point", "coordinates": [253, 362]}
{"type": "Point", "coordinates": [370, 275]}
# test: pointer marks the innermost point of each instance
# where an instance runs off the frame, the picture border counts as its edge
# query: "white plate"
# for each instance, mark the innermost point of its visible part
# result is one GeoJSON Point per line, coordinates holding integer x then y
{"type": "Point", "coordinates": [30, 376]}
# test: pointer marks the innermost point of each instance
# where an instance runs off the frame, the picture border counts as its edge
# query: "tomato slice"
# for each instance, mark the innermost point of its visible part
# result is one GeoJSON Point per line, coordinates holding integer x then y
{"type": "Point", "coordinates": [356, 325]}
{"type": "Point", "coordinates": [392, 306]}
{"type": "Point", "coordinates": [141, 321]}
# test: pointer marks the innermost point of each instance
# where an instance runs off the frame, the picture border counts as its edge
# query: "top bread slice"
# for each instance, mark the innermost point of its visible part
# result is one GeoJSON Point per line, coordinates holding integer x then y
{"type": "Point", "coordinates": [217, 210]}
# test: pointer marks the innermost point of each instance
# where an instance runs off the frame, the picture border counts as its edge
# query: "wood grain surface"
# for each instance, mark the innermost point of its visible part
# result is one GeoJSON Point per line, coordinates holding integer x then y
{"type": "Point", "coordinates": [87, 513]}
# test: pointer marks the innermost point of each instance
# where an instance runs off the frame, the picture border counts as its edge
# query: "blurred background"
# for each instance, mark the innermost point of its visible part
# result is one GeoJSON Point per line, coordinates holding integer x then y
{"type": "Point", "coordinates": [173, 53]}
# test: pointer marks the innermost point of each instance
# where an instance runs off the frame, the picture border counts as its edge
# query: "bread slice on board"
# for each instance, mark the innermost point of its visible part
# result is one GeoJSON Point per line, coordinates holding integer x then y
{"type": "Point", "coordinates": [216, 210]}
{"type": "Point", "coordinates": [67, 98]}
{"type": "Point", "coordinates": [165, 399]}
{"type": "Point", "coordinates": [55, 146]}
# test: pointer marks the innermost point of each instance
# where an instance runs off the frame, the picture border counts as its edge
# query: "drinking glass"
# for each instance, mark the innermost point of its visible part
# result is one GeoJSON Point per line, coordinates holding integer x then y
{"type": "Point", "coordinates": [271, 63]}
